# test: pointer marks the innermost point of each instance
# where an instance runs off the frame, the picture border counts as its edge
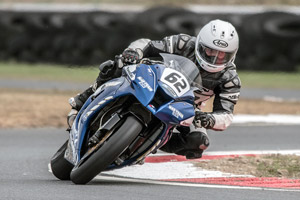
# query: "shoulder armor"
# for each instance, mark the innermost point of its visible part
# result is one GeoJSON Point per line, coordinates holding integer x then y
{"type": "Point", "coordinates": [231, 78]}
{"type": "Point", "coordinates": [177, 43]}
{"type": "Point", "coordinates": [182, 41]}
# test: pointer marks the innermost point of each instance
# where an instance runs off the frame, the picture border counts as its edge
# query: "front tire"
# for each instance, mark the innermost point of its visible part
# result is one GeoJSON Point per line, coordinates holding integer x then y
{"type": "Point", "coordinates": [108, 152]}
{"type": "Point", "coordinates": [60, 167]}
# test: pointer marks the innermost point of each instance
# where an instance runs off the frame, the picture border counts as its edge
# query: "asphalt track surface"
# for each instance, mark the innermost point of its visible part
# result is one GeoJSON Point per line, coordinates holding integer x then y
{"type": "Point", "coordinates": [25, 154]}
{"type": "Point", "coordinates": [255, 138]}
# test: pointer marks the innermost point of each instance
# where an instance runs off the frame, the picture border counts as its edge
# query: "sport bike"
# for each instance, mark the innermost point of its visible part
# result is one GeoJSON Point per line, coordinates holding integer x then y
{"type": "Point", "coordinates": [129, 117]}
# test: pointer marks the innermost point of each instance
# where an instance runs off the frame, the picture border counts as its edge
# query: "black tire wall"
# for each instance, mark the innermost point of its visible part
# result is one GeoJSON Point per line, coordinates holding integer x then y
{"type": "Point", "coordinates": [268, 41]}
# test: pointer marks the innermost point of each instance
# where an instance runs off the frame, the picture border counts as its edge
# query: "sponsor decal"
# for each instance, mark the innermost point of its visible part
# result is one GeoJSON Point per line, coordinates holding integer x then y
{"type": "Point", "coordinates": [231, 96]}
{"type": "Point", "coordinates": [220, 43]}
{"type": "Point", "coordinates": [144, 84]}
{"type": "Point", "coordinates": [234, 97]}
{"type": "Point", "coordinates": [176, 112]}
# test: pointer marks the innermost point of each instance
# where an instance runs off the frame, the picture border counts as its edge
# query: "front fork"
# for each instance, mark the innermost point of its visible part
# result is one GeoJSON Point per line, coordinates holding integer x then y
{"type": "Point", "coordinates": [105, 130]}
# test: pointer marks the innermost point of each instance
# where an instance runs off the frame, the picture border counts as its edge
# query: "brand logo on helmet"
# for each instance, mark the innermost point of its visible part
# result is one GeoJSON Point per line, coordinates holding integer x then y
{"type": "Point", "coordinates": [220, 43]}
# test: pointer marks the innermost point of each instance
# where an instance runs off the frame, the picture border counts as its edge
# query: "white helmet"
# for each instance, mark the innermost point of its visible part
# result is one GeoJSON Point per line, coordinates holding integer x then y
{"type": "Point", "coordinates": [216, 45]}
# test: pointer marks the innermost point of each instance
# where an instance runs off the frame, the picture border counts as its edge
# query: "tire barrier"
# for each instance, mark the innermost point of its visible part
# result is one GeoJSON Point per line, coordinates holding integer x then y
{"type": "Point", "coordinates": [268, 41]}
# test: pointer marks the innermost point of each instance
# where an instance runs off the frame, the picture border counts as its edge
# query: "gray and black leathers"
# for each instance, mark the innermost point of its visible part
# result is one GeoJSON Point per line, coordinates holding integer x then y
{"type": "Point", "coordinates": [224, 85]}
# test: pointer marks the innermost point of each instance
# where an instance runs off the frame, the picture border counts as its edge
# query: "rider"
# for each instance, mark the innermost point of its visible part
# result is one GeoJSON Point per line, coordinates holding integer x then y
{"type": "Point", "coordinates": [214, 51]}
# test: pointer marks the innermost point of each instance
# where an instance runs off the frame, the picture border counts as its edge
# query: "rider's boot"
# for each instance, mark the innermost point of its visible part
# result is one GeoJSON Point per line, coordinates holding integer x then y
{"type": "Point", "coordinates": [188, 142]}
{"type": "Point", "coordinates": [77, 103]}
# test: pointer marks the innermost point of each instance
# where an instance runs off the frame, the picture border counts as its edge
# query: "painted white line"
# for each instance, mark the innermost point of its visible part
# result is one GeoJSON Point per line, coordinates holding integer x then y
{"type": "Point", "coordinates": [267, 119]}
{"type": "Point", "coordinates": [280, 99]}
{"type": "Point", "coordinates": [87, 7]}
{"type": "Point", "coordinates": [242, 9]}
{"type": "Point", "coordinates": [130, 180]}
{"type": "Point", "coordinates": [221, 153]}
{"type": "Point", "coordinates": [71, 7]}
{"type": "Point", "coordinates": [283, 152]}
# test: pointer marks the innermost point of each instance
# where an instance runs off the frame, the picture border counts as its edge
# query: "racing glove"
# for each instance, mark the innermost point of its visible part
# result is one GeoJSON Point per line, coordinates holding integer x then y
{"type": "Point", "coordinates": [204, 119]}
{"type": "Point", "coordinates": [132, 56]}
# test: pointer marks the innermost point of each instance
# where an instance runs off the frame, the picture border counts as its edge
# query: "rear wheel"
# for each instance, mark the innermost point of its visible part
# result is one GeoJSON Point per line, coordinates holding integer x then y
{"type": "Point", "coordinates": [108, 152]}
{"type": "Point", "coordinates": [60, 167]}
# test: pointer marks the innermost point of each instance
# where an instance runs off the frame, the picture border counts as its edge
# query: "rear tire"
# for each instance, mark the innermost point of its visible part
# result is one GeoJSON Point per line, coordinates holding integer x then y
{"type": "Point", "coordinates": [108, 153]}
{"type": "Point", "coordinates": [60, 167]}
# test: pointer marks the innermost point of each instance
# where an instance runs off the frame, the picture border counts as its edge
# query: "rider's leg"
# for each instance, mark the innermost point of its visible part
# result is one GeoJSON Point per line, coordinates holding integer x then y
{"type": "Point", "coordinates": [108, 71]}
{"type": "Point", "coordinates": [187, 141]}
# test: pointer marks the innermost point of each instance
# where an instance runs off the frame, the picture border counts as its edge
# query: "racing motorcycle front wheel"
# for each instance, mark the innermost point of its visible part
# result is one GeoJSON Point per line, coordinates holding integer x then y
{"type": "Point", "coordinates": [60, 167]}
{"type": "Point", "coordinates": [108, 152]}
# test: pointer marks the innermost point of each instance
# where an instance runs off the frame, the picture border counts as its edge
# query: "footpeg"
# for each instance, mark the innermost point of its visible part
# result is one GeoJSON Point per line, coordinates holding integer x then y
{"type": "Point", "coordinates": [119, 161]}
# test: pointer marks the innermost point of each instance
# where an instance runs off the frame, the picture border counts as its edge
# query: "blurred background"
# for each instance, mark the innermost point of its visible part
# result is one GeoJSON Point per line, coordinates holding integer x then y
{"type": "Point", "coordinates": [85, 33]}
{"type": "Point", "coordinates": [50, 50]}
{"type": "Point", "coordinates": [58, 45]}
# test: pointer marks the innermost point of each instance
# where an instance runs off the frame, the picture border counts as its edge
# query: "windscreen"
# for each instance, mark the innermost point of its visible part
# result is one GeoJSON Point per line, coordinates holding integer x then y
{"type": "Point", "coordinates": [184, 66]}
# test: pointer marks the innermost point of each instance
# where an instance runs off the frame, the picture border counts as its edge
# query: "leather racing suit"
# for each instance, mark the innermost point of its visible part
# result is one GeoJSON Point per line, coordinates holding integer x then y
{"type": "Point", "coordinates": [224, 85]}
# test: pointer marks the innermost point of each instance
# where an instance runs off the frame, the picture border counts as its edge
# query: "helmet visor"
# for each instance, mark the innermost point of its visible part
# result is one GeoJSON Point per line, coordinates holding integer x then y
{"type": "Point", "coordinates": [215, 57]}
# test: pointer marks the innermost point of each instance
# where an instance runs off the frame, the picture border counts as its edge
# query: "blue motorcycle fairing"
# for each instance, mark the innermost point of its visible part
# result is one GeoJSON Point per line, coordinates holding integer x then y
{"type": "Point", "coordinates": [176, 112]}
{"type": "Point", "coordinates": [143, 85]}
{"type": "Point", "coordinates": [179, 111]}
{"type": "Point", "coordinates": [95, 102]}
{"type": "Point", "coordinates": [107, 89]}
{"type": "Point", "coordinates": [105, 94]}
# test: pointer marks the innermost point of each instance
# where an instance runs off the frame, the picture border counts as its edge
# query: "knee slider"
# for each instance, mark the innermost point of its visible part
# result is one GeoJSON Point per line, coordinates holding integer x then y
{"type": "Point", "coordinates": [196, 140]}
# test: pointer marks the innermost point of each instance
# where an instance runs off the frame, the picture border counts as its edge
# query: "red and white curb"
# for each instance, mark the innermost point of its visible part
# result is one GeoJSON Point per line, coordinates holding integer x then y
{"type": "Point", "coordinates": [178, 170]}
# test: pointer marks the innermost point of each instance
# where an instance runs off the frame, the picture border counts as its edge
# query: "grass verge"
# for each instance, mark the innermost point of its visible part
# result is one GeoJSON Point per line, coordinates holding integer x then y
{"type": "Point", "coordinates": [252, 79]}
{"type": "Point", "coordinates": [275, 165]}
{"type": "Point", "coordinates": [249, 79]}
{"type": "Point", "coordinates": [48, 72]}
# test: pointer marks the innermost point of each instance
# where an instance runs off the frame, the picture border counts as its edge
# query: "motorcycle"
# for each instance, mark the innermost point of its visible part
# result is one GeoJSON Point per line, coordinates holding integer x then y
{"type": "Point", "coordinates": [128, 118]}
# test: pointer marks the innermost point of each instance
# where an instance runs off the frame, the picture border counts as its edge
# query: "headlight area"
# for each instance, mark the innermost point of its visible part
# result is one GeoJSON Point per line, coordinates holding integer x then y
{"type": "Point", "coordinates": [161, 97]}
{"type": "Point", "coordinates": [168, 90]}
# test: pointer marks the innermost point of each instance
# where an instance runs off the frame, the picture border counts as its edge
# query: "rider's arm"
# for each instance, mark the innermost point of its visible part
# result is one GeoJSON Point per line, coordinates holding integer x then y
{"type": "Point", "coordinates": [181, 44]}
{"type": "Point", "coordinates": [226, 96]}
